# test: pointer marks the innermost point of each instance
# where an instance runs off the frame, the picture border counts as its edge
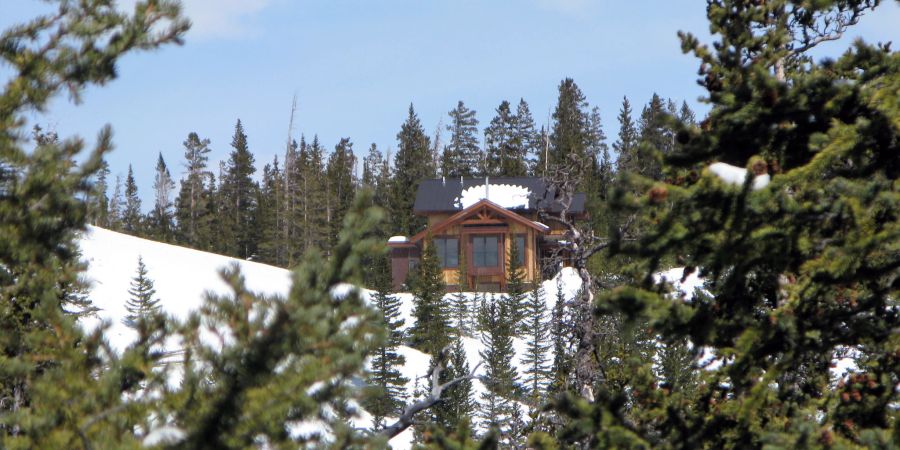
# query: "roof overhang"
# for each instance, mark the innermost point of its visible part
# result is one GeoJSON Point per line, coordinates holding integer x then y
{"type": "Point", "coordinates": [480, 206]}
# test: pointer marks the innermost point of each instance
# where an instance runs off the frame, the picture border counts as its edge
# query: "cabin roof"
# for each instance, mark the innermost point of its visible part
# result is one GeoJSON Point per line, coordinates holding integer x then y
{"type": "Point", "coordinates": [481, 205]}
{"type": "Point", "coordinates": [445, 195]}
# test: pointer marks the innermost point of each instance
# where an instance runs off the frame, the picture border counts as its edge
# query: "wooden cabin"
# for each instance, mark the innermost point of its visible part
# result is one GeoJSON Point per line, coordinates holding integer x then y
{"type": "Point", "coordinates": [475, 221]}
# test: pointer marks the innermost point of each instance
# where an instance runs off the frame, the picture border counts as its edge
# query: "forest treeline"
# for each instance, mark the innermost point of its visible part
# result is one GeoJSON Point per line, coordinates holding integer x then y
{"type": "Point", "coordinates": [299, 200]}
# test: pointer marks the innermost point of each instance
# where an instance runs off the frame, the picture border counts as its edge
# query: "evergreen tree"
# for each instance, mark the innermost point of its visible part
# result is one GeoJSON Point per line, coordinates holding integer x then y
{"type": "Point", "coordinates": [269, 219]}
{"type": "Point", "coordinates": [315, 225]}
{"type": "Point", "coordinates": [626, 144]}
{"type": "Point", "coordinates": [496, 405]}
{"type": "Point", "coordinates": [431, 331]}
{"type": "Point", "coordinates": [526, 136]}
{"type": "Point", "coordinates": [562, 358]}
{"type": "Point", "coordinates": [457, 405]}
{"type": "Point", "coordinates": [161, 221]}
{"type": "Point", "coordinates": [192, 205]}
{"type": "Point", "coordinates": [505, 145]}
{"type": "Point", "coordinates": [141, 304]}
{"type": "Point", "coordinates": [238, 195]}
{"type": "Point", "coordinates": [462, 157]}
{"type": "Point", "coordinates": [655, 138]}
{"type": "Point", "coordinates": [570, 136]}
{"type": "Point", "coordinates": [412, 164]}
{"type": "Point", "coordinates": [536, 332]}
{"type": "Point", "coordinates": [516, 296]}
{"type": "Point", "coordinates": [59, 387]}
{"type": "Point", "coordinates": [116, 202]}
{"type": "Point", "coordinates": [98, 207]}
{"type": "Point", "coordinates": [460, 308]}
{"type": "Point", "coordinates": [131, 216]}
{"type": "Point", "coordinates": [383, 373]}
{"type": "Point", "coordinates": [340, 178]}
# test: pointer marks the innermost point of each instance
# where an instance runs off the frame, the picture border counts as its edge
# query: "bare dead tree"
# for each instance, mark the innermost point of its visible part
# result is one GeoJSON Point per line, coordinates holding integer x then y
{"type": "Point", "coordinates": [434, 397]}
{"type": "Point", "coordinates": [579, 244]}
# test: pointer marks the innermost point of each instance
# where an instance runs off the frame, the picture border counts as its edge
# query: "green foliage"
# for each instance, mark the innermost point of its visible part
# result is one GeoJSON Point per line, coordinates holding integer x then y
{"type": "Point", "coordinates": [462, 157]}
{"type": "Point", "coordinates": [238, 231]}
{"type": "Point", "coordinates": [501, 388]}
{"type": "Point", "coordinates": [193, 205]}
{"type": "Point", "coordinates": [516, 296]}
{"type": "Point", "coordinates": [141, 304]}
{"type": "Point", "coordinates": [798, 272]}
{"type": "Point", "coordinates": [383, 375]}
{"type": "Point", "coordinates": [536, 332]}
{"type": "Point", "coordinates": [339, 176]}
{"type": "Point", "coordinates": [58, 384]}
{"type": "Point", "coordinates": [570, 136]}
{"type": "Point", "coordinates": [160, 223]}
{"type": "Point", "coordinates": [412, 164]}
{"type": "Point", "coordinates": [431, 332]}
{"type": "Point", "coordinates": [132, 219]}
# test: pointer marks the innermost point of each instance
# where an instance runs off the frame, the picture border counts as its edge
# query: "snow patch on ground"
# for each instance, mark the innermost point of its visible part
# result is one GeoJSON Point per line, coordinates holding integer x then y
{"type": "Point", "coordinates": [509, 196]}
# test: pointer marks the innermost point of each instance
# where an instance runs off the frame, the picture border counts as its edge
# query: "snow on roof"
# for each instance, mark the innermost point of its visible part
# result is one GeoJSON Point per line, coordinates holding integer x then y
{"type": "Point", "coordinates": [398, 239]}
{"type": "Point", "coordinates": [736, 175]}
{"type": "Point", "coordinates": [509, 196]}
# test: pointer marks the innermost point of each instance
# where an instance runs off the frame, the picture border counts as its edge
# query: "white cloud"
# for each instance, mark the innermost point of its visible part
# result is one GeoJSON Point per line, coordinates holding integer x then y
{"type": "Point", "coordinates": [222, 18]}
{"type": "Point", "coordinates": [214, 19]}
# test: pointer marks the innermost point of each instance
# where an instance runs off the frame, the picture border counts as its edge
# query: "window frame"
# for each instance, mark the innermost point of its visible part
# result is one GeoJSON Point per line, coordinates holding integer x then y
{"type": "Point", "coordinates": [521, 248]}
{"type": "Point", "coordinates": [440, 247]}
{"type": "Point", "coordinates": [496, 251]}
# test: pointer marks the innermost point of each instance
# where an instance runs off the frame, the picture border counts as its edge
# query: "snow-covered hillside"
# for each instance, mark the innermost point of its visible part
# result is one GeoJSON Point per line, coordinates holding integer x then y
{"type": "Point", "coordinates": [183, 275]}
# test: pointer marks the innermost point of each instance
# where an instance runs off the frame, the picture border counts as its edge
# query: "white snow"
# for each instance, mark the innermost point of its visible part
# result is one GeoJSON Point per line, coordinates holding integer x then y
{"type": "Point", "coordinates": [684, 288]}
{"type": "Point", "coordinates": [508, 196]}
{"type": "Point", "coordinates": [398, 239]}
{"type": "Point", "coordinates": [166, 435]}
{"type": "Point", "coordinates": [736, 175]}
{"type": "Point", "coordinates": [182, 276]}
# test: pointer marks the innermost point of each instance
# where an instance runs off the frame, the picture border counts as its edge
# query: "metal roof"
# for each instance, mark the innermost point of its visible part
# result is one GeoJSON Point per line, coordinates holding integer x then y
{"type": "Point", "coordinates": [440, 195]}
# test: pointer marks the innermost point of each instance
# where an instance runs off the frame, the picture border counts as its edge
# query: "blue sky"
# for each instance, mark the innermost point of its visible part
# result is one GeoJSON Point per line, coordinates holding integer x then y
{"type": "Point", "coordinates": [356, 65]}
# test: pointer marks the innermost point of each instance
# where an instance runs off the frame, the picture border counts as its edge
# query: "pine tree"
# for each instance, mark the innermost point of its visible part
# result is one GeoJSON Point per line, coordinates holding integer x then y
{"type": "Point", "coordinates": [460, 307]}
{"type": "Point", "coordinates": [59, 386]}
{"type": "Point", "coordinates": [161, 220]}
{"type": "Point", "coordinates": [132, 219]}
{"type": "Point", "coordinates": [457, 405]}
{"type": "Point", "coordinates": [655, 138]}
{"type": "Point", "coordinates": [496, 405]}
{"type": "Point", "coordinates": [462, 157]}
{"type": "Point", "coordinates": [98, 207]}
{"type": "Point", "coordinates": [516, 297]}
{"type": "Point", "coordinates": [383, 373]}
{"type": "Point", "coordinates": [116, 203]}
{"type": "Point", "coordinates": [526, 136]}
{"type": "Point", "coordinates": [536, 332]}
{"type": "Point", "coordinates": [562, 359]}
{"type": "Point", "coordinates": [141, 304]}
{"type": "Point", "coordinates": [238, 194]}
{"type": "Point", "coordinates": [626, 144]}
{"type": "Point", "coordinates": [505, 146]}
{"type": "Point", "coordinates": [271, 247]}
{"type": "Point", "coordinates": [340, 179]}
{"type": "Point", "coordinates": [570, 136]}
{"type": "Point", "coordinates": [192, 206]}
{"type": "Point", "coordinates": [431, 331]}
{"type": "Point", "coordinates": [412, 164]}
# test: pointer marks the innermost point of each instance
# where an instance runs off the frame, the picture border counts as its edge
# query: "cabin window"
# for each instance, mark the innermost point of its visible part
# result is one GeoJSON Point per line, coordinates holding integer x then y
{"type": "Point", "coordinates": [447, 252]}
{"type": "Point", "coordinates": [520, 249]}
{"type": "Point", "coordinates": [485, 250]}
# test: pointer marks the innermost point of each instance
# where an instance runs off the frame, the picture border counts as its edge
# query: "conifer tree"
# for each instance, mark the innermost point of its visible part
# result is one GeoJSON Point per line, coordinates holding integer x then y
{"type": "Point", "coordinates": [505, 145]}
{"type": "Point", "coordinates": [269, 216]}
{"type": "Point", "coordinates": [140, 304]}
{"type": "Point", "coordinates": [161, 220]}
{"type": "Point", "coordinates": [192, 208]}
{"type": "Point", "coordinates": [460, 307]}
{"type": "Point", "coordinates": [98, 212]}
{"type": "Point", "coordinates": [131, 216]}
{"type": "Point", "coordinates": [462, 157]}
{"type": "Point", "coordinates": [383, 374]}
{"type": "Point", "coordinates": [457, 405]}
{"type": "Point", "coordinates": [570, 136]}
{"type": "Point", "coordinates": [627, 141]}
{"type": "Point", "coordinates": [431, 331]}
{"type": "Point", "coordinates": [238, 195]}
{"type": "Point", "coordinates": [516, 296]}
{"type": "Point", "coordinates": [793, 274]}
{"type": "Point", "coordinates": [496, 403]}
{"type": "Point", "coordinates": [116, 203]}
{"type": "Point", "coordinates": [562, 358]}
{"type": "Point", "coordinates": [536, 332]}
{"type": "Point", "coordinates": [339, 174]}
{"type": "Point", "coordinates": [59, 387]}
{"type": "Point", "coordinates": [314, 207]}
{"type": "Point", "coordinates": [412, 164]}
{"type": "Point", "coordinates": [526, 136]}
